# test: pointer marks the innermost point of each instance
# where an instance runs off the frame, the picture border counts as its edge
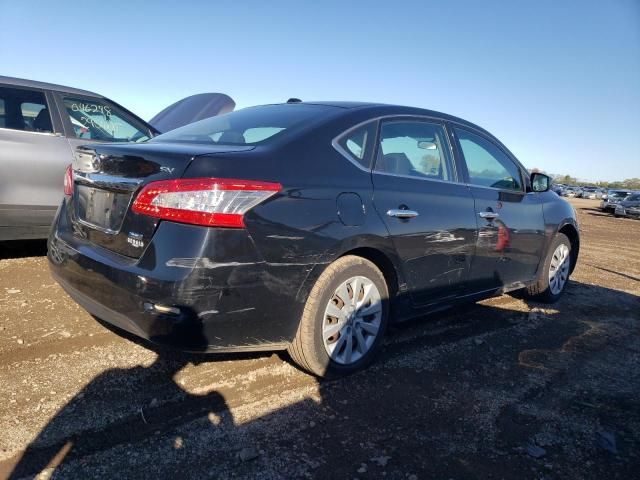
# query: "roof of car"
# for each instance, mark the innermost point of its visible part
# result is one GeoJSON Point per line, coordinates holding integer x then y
{"type": "Point", "coordinates": [343, 104]}
{"type": "Point", "coordinates": [389, 109]}
{"type": "Point", "coordinates": [21, 82]}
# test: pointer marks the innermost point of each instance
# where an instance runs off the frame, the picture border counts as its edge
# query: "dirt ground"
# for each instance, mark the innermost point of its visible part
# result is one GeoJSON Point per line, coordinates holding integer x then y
{"type": "Point", "coordinates": [500, 389]}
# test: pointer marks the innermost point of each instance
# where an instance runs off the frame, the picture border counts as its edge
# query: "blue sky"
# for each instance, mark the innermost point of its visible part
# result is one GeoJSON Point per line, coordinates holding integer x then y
{"type": "Point", "coordinates": [557, 81]}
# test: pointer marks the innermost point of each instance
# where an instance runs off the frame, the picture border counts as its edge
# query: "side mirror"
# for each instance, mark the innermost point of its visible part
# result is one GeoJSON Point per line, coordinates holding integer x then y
{"type": "Point", "coordinates": [540, 182]}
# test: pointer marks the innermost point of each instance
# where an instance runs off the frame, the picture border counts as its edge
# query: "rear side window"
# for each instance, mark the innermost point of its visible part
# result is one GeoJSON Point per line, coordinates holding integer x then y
{"type": "Point", "coordinates": [249, 126]}
{"type": "Point", "coordinates": [487, 164]}
{"type": "Point", "coordinates": [36, 116]}
{"type": "Point", "coordinates": [358, 144]}
{"type": "Point", "coordinates": [99, 119]}
{"type": "Point", "coordinates": [24, 110]}
{"type": "Point", "coordinates": [415, 149]}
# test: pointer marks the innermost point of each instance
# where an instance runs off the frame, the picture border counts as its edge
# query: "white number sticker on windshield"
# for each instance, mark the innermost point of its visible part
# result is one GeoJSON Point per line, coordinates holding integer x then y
{"type": "Point", "coordinates": [91, 108]}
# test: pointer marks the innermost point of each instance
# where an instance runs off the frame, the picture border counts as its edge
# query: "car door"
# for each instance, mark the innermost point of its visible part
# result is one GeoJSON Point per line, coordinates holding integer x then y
{"type": "Point", "coordinates": [33, 158]}
{"type": "Point", "coordinates": [428, 214]}
{"type": "Point", "coordinates": [510, 220]}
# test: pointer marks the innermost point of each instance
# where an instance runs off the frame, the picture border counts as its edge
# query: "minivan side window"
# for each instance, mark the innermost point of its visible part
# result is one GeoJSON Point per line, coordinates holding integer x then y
{"type": "Point", "coordinates": [487, 164]}
{"type": "Point", "coordinates": [98, 119]}
{"type": "Point", "coordinates": [24, 110]}
{"type": "Point", "coordinates": [415, 149]}
{"type": "Point", "coordinates": [357, 144]}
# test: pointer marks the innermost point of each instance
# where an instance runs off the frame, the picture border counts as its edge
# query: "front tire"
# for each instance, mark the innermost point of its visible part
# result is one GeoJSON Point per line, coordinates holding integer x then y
{"type": "Point", "coordinates": [554, 275]}
{"type": "Point", "coordinates": [344, 319]}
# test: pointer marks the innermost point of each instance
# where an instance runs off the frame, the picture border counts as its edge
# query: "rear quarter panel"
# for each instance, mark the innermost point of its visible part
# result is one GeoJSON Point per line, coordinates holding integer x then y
{"type": "Point", "coordinates": [299, 232]}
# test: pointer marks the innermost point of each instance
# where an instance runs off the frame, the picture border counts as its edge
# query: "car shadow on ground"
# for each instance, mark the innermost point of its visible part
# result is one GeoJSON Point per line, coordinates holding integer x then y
{"type": "Point", "coordinates": [459, 394]}
{"type": "Point", "coordinates": [22, 249]}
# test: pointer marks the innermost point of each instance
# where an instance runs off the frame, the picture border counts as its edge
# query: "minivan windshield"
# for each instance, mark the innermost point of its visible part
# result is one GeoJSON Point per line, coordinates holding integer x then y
{"type": "Point", "coordinates": [248, 126]}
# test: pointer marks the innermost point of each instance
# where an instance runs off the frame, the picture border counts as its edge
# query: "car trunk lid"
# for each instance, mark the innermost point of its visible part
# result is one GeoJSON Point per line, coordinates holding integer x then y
{"type": "Point", "coordinates": [107, 179]}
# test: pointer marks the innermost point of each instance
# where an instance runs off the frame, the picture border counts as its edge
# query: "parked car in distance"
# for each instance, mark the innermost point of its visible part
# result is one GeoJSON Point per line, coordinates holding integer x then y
{"type": "Point", "coordinates": [612, 198]}
{"type": "Point", "coordinates": [629, 207]}
{"type": "Point", "coordinates": [588, 192]}
{"type": "Point", "coordinates": [260, 230]}
{"type": "Point", "coordinates": [41, 124]}
{"type": "Point", "coordinates": [571, 192]}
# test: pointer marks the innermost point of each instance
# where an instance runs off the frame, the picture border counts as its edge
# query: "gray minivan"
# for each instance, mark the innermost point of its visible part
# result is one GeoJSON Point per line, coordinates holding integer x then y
{"type": "Point", "coordinates": [41, 124]}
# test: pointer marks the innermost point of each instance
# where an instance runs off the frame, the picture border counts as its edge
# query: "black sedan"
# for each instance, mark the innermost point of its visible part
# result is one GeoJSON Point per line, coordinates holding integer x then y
{"type": "Point", "coordinates": [305, 226]}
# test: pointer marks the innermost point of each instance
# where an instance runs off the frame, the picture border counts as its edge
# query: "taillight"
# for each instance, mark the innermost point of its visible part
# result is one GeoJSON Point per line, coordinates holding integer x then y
{"type": "Point", "coordinates": [68, 181]}
{"type": "Point", "coordinates": [213, 202]}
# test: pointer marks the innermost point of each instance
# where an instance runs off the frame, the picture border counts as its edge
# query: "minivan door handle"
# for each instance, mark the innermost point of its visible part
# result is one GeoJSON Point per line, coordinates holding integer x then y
{"type": "Point", "coordinates": [402, 213]}
{"type": "Point", "coordinates": [489, 215]}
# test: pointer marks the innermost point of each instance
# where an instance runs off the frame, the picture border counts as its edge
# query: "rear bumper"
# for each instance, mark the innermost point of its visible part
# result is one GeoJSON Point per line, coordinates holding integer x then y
{"type": "Point", "coordinates": [221, 298]}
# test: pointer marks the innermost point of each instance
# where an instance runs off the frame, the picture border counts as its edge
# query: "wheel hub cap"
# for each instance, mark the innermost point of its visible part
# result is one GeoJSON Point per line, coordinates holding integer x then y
{"type": "Point", "coordinates": [559, 269]}
{"type": "Point", "coordinates": [352, 320]}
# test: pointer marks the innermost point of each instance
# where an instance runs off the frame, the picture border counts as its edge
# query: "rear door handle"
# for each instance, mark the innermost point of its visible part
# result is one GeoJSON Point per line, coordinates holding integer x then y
{"type": "Point", "coordinates": [489, 215]}
{"type": "Point", "coordinates": [401, 213]}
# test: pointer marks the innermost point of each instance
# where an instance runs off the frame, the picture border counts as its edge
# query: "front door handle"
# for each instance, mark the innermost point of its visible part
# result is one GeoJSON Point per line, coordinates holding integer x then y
{"type": "Point", "coordinates": [489, 215]}
{"type": "Point", "coordinates": [402, 213]}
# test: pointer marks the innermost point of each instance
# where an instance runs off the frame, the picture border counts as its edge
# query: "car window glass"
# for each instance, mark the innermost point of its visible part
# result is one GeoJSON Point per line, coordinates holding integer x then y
{"type": "Point", "coordinates": [253, 135]}
{"type": "Point", "coordinates": [24, 110]}
{"type": "Point", "coordinates": [31, 111]}
{"type": "Point", "coordinates": [248, 126]}
{"type": "Point", "coordinates": [413, 148]}
{"type": "Point", "coordinates": [619, 194]}
{"type": "Point", "coordinates": [358, 144]}
{"type": "Point", "coordinates": [98, 119]}
{"type": "Point", "coordinates": [488, 165]}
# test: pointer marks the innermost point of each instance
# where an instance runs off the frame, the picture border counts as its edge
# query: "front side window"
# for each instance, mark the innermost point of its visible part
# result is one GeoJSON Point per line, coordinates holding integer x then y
{"type": "Point", "coordinates": [98, 119]}
{"type": "Point", "coordinates": [488, 165]}
{"type": "Point", "coordinates": [24, 110]}
{"type": "Point", "coordinates": [357, 144]}
{"type": "Point", "coordinates": [415, 149]}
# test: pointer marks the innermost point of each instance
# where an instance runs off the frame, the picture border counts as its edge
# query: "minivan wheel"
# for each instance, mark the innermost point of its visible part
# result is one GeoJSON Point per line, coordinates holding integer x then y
{"type": "Point", "coordinates": [344, 319]}
{"type": "Point", "coordinates": [554, 274]}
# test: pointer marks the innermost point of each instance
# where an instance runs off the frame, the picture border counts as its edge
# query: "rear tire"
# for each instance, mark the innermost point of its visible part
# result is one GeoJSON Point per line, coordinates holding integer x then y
{"type": "Point", "coordinates": [554, 274]}
{"type": "Point", "coordinates": [344, 319]}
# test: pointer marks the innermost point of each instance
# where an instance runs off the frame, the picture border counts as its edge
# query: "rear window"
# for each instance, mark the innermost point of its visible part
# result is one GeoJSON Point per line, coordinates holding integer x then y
{"type": "Point", "coordinates": [249, 126]}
